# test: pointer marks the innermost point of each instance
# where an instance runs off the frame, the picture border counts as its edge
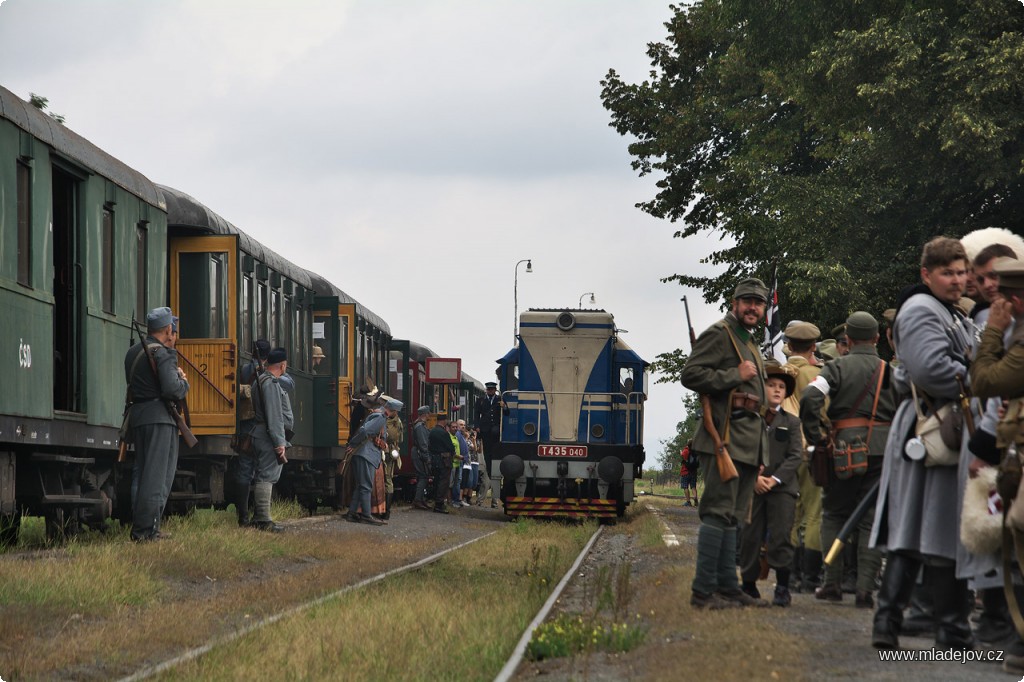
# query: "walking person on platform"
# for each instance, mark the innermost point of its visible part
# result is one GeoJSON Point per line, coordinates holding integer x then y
{"type": "Point", "coordinates": [689, 464]}
{"type": "Point", "coordinates": [725, 364]}
{"type": "Point", "coordinates": [861, 406]}
{"type": "Point", "coordinates": [488, 420]}
{"type": "Point", "coordinates": [155, 381]}
{"type": "Point", "coordinates": [916, 517]}
{"type": "Point", "coordinates": [485, 478]}
{"type": "Point", "coordinates": [271, 432]}
{"type": "Point", "coordinates": [442, 451]}
{"type": "Point", "coordinates": [771, 514]}
{"type": "Point", "coordinates": [421, 456]}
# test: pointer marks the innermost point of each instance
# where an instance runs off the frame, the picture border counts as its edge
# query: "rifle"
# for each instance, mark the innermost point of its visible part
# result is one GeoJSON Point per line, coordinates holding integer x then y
{"type": "Point", "coordinates": [172, 405]}
{"type": "Point", "coordinates": [851, 523]}
{"type": "Point", "coordinates": [726, 468]}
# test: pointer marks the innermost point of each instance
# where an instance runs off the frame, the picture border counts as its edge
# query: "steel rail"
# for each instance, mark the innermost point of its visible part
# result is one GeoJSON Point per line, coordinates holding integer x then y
{"type": "Point", "coordinates": [195, 653]}
{"type": "Point", "coordinates": [517, 654]}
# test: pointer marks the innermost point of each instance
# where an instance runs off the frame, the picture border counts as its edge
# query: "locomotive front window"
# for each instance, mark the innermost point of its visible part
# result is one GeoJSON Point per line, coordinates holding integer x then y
{"type": "Point", "coordinates": [627, 381]}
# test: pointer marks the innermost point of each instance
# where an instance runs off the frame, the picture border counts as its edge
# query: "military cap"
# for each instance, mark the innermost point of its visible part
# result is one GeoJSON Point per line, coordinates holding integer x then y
{"type": "Point", "coordinates": [442, 416]}
{"type": "Point", "coordinates": [839, 331]}
{"type": "Point", "coordinates": [394, 404]}
{"type": "Point", "coordinates": [174, 323]}
{"type": "Point", "coordinates": [861, 326]}
{"type": "Point", "coordinates": [262, 348]}
{"type": "Point", "coordinates": [158, 318]}
{"type": "Point", "coordinates": [889, 315]}
{"type": "Point", "coordinates": [801, 331]}
{"type": "Point", "coordinates": [490, 384]}
{"type": "Point", "coordinates": [277, 355]}
{"type": "Point", "coordinates": [828, 350]}
{"type": "Point", "coordinates": [751, 287]}
{"type": "Point", "coordinates": [423, 409]}
{"type": "Point", "coordinates": [1011, 273]}
{"type": "Point", "coordinates": [785, 372]}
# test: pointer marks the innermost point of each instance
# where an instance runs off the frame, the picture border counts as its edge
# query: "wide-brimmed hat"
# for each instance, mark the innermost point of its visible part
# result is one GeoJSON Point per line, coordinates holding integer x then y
{"type": "Point", "coordinates": [318, 352]}
{"type": "Point", "coordinates": [785, 372]}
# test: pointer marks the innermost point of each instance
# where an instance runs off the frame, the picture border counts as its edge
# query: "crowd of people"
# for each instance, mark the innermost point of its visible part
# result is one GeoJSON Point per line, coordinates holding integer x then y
{"type": "Point", "coordinates": [840, 441]}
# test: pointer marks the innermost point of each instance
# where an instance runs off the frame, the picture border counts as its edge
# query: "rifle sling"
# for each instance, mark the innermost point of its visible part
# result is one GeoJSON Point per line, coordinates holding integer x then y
{"type": "Point", "coordinates": [760, 367]}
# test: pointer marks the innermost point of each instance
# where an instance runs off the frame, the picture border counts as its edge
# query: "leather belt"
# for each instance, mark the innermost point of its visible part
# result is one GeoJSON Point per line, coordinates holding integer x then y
{"type": "Point", "coordinates": [856, 422]}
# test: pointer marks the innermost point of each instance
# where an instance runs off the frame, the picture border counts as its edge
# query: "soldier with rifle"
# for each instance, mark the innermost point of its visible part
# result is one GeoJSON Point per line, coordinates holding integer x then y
{"type": "Point", "coordinates": [156, 384]}
{"type": "Point", "coordinates": [726, 368]}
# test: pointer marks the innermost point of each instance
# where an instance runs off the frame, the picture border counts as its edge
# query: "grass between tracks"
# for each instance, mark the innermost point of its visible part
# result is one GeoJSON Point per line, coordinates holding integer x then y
{"type": "Point", "coordinates": [456, 619]}
{"type": "Point", "coordinates": [104, 604]}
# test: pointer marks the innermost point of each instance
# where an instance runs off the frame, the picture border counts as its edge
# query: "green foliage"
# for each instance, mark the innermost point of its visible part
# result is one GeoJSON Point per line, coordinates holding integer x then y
{"type": "Point", "coordinates": [42, 104]}
{"type": "Point", "coordinates": [668, 459]}
{"type": "Point", "coordinates": [829, 139]}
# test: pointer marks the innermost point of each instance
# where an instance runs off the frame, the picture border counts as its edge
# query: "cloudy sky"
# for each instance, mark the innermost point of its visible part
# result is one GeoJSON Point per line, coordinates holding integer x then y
{"type": "Point", "coordinates": [411, 152]}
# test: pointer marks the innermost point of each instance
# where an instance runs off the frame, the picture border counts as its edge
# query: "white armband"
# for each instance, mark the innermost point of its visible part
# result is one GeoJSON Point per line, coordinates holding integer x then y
{"type": "Point", "coordinates": [821, 384]}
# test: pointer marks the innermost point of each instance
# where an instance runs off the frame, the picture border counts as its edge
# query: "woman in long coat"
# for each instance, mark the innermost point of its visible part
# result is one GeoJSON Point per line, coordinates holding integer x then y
{"type": "Point", "coordinates": [916, 517]}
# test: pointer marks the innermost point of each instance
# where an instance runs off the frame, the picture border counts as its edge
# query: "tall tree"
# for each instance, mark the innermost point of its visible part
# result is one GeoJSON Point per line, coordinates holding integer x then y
{"type": "Point", "coordinates": [668, 458]}
{"type": "Point", "coordinates": [832, 139]}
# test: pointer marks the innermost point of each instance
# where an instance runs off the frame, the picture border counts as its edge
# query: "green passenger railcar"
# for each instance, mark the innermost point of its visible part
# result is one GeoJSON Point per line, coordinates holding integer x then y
{"type": "Point", "coordinates": [82, 249]}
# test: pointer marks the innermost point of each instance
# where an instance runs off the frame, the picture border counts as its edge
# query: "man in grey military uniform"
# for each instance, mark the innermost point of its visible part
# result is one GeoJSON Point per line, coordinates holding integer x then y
{"type": "Point", "coordinates": [153, 387]}
{"type": "Point", "coordinates": [270, 433]}
{"type": "Point", "coordinates": [369, 443]}
{"type": "Point", "coordinates": [421, 457]}
{"type": "Point", "coordinates": [725, 364]}
{"type": "Point", "coordinates": [861, 407]}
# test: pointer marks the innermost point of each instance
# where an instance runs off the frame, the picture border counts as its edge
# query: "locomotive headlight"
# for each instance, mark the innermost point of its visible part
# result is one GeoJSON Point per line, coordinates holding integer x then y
{"type": "Point", "coordinates": [565, 321]}
{"type": "Point", "coordinates": [512, 467]}
{"type": "Point", "coordinates": [610, 469]}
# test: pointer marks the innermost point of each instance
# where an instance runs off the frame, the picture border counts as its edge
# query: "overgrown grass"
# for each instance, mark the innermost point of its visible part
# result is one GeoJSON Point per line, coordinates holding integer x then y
{"type": "Point", "coordinates": [457, 619]}
{"type": "Point", "coordinates": [567, 635]}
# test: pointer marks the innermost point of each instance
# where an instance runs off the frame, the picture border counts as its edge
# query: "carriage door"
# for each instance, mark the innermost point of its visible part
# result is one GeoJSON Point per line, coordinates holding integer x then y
{"type": "Point", "coordinates": [347, 369]}
{"type": "Point", "coordinates": [67, 294]}
{"type": "Point", "coordinates": [204, 283]}
{"type": "Point", "coordinates": [325, 378]}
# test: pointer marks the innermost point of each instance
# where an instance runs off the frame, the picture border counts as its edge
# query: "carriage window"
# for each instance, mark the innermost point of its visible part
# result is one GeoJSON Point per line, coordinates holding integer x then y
{"type": "Point", "coordinates": [343, 347]}
{"type": "Point", "coordinates": [203, 289]}
{"type": "Point", "coordinates": [299, 354]}
{"type": "Point", "coordinates": [275, 318]}
{"type": "Point", "coordinates": [246, 312]}
{"type": "Point", "coordinates": [261, 307]}
{"type": "Point", "coordinates": [321, 334]}
{"type": "Point", "coordinates": [24, 224]}
{"type": "Point", "coordinates": [107, 260]}
{"type": "Point", "coordinates": [141, 269]}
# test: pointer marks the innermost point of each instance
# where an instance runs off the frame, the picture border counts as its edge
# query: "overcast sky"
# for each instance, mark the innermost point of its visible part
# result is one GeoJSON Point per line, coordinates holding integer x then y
{"type": "Point", "coordinates": [410, 152]}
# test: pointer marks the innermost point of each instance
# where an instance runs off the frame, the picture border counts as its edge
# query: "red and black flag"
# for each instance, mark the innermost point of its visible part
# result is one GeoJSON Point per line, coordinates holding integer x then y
{"type": "Point", "coordinates": [772, 346]}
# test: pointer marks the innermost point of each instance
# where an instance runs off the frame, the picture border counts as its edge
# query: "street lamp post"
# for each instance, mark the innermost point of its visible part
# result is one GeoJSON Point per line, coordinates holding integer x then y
{"type": "Point", "coordinates": [515, 294]}
{"type": "Point", "coordinates": [592, 300]}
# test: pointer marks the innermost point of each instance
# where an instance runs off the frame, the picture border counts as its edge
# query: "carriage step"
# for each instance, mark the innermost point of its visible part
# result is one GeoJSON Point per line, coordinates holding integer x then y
{"type": "Point", "coordinates": [190, 497]}
{"type": "Point", "coordinates": [184, 473]}
{"type": "Point", "coordinates": [63, 459]}
{"type": "Point", "coordinates": [69, 501]}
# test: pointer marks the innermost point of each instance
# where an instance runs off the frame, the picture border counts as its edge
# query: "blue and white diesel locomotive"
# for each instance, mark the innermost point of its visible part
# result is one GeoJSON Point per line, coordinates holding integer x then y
{"type": "Point", "coordinates": [572, 426]}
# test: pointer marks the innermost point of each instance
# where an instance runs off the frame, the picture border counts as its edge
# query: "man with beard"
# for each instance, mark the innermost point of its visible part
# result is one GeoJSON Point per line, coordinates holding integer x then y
{"type": "Point", "coordinates": [726, 366]}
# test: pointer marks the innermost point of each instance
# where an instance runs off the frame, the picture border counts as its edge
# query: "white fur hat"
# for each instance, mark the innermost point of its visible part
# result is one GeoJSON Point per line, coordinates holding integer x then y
{"type": "Point", "coordinates": [975, 241]}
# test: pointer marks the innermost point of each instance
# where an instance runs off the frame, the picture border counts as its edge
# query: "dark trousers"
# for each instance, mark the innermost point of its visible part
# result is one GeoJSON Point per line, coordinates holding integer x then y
{"type": "Point", "coordinates": [838, 501]}
{"type": "Point", "coordinates": [771, 520]}
{"type": "Point", "coordinates": [156, 458]}
{"type": "Point", "coordinates": [442, 476]}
